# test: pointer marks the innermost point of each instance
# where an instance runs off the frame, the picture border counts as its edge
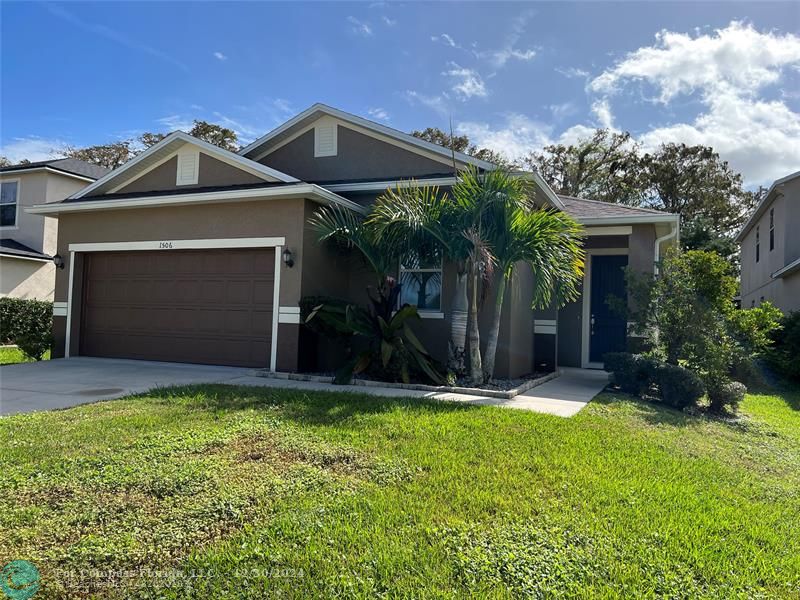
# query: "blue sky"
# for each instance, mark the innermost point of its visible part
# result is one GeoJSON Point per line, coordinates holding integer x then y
{"type": "Point", "coordinates": [514, 76]}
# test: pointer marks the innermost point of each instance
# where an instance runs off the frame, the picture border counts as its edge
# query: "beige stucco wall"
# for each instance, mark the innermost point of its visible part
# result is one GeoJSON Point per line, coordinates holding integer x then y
{"type": "Point", "coordinates": [259, 218]}
{"type": "Point", "coordinates": [212, 172]}
{"type": "Point", "coordinates": [757, 284]}
{"type": "Point", "coordinates": [358, 157]}
{"type": "Point", "coordinates": [22, 278]}
{"type": "Point", "coordinates": [29, 279]}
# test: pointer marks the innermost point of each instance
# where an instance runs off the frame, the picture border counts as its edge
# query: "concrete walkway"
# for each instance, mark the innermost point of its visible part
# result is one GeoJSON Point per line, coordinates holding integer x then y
{"type": "Point", "coordinates": [69, 382]}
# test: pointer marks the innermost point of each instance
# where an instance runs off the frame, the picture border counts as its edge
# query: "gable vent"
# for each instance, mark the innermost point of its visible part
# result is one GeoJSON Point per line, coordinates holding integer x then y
{"type": "Point", "coordinates": [325, 134]}
{"type": "Point", "coordinates": [188, 167]}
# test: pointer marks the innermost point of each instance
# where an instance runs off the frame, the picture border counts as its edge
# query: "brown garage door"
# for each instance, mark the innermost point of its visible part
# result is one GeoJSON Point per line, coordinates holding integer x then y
{"type": "Point", "coordinates": [196, 306]}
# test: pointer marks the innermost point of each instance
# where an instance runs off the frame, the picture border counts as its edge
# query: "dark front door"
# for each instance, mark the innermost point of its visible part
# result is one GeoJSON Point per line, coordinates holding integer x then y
{"type": "Point", "coordinates": [196, 306]}
{"type": "Point", "coordinates": [607, 329]}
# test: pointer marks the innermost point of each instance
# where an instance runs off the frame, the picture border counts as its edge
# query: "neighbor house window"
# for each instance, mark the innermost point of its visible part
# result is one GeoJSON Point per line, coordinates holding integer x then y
{"type": "Point", "coordinates": [771, 229]}
{"type": "Point", "coordinates": [421, 278]}
{"type": "Point", "coordinates": [758, 244]}
{"type": "Point", "coordinates": [9, 193]}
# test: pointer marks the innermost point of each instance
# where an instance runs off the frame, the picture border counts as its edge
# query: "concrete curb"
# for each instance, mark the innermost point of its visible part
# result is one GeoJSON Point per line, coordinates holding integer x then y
{"type": "Point", "coordinates": [443, 389]}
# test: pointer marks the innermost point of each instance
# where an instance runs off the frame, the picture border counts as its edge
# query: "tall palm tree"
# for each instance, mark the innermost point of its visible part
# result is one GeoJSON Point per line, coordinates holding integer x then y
{"type": "Point", "coordinates": [423, 219]}
{"type": "Point", "coordinates": [549, 242]}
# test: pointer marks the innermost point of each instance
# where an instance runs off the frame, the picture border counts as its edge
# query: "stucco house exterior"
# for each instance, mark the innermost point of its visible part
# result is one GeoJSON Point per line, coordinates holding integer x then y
{"type": "Point", "coordinates": [27, 240]}
{"type": "Point", "coordinates": [770, 248]}
{"type": "Point", "coordinates": [191, 253]}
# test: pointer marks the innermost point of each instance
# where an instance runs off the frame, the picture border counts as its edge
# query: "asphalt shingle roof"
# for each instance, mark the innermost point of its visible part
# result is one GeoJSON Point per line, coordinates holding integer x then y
{"type": "Point", "coordinates": [9, 247]}
{"type": "Point", "coordinates": [68, 165]}
{"type": "Point", "coordinates": [583, 208]}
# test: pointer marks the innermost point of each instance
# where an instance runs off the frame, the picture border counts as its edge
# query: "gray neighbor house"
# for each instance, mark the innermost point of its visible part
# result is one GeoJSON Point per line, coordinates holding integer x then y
{"type": "Point", "coordinates": [770, 252]}
{"type": "Point", "coordinates": [191, 253]}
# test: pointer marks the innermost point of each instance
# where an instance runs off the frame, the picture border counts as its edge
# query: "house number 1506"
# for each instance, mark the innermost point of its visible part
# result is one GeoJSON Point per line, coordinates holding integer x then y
{"type": "Point", "coordinates": [165, 245]}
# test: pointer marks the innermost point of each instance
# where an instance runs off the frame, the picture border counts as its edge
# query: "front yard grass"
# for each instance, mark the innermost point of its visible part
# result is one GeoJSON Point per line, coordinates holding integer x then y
{"type": "Point", "coordinates": [251, 492]}
{"type": "Point", "coordinates": [10, 355]}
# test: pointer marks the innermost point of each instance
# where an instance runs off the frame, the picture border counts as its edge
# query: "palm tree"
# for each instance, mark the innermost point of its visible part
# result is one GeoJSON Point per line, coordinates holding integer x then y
{"type": "Point", "coordinates": [349, 229]}
{"type": "Point", "coordinates": [421, 219]}
{"type": "Point", "coordinates": [549, 242]}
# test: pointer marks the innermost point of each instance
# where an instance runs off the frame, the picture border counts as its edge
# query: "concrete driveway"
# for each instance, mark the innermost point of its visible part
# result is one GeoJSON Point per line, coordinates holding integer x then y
{"type": "Point", "coordinates": [65, 382]}
{"type": "Point", "coordinates": [62, 383]}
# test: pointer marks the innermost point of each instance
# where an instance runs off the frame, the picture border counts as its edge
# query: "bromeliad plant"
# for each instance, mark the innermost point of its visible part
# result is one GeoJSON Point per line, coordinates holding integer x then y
{"type": "Point", "coordinates": [391, 349]}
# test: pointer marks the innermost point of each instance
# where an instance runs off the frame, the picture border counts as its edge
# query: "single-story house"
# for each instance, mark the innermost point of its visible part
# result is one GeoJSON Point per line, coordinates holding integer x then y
{"type": "Point", "coordinates": [192, 253]}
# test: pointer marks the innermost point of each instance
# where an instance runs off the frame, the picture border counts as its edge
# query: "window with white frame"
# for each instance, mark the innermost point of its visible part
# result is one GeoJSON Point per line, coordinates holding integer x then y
{"type": "Point", "coordinates": [9, 196]}
{"type": "Point", "coordinates": [421, 280]}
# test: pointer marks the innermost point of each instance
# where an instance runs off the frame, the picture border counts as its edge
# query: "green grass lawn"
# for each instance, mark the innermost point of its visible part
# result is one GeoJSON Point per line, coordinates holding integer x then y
{"type": "Point", "coordinates": [256, 492]}
{"type": "Point", "coordinates": [10, 355]}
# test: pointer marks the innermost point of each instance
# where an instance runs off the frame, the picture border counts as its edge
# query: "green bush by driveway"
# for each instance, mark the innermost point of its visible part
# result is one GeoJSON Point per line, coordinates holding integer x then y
{"type": "Point", "coordinates": [258, 491]}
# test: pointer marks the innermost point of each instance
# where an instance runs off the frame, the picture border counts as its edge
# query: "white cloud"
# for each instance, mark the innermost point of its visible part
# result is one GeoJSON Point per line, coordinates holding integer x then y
{"type": "Point", "coordinates": [499, 58]}
{"type": "Point", "coordinates": [726, 69]}
{"type": "Point", "coordinates": [510, 49]}
{"type": "Point", "coordinates": [736, 58]}
{"type": "Point", "coordinates": [176, 122]}
{"type": "Point", "coordinates": [760, 139]}
{"type": "Point", "coordinates": [561, 111]}
{"type": "Point", "coordinates": [378, 113]}
{"type": "Point", "coordinates": [602, 111]}
{"type": "Point", "coordinates": [467, 83]}
{"type": "Point", "coordinates": [573, 73]}
{"type": "Point", "coordinates": [389, 22]}
{"type": "Point", "coordinates": [437, 103]}
{"type": "Point", "coordinates": [220, 56]}
{"type": "Point", "coordinates": [31, 148]}
{"type": "Point", "coordinates": [359, 27]}
{"type": "Point", "coordinates": [445, 39]}
{"type": "Point", "coordinates": [514, 139]}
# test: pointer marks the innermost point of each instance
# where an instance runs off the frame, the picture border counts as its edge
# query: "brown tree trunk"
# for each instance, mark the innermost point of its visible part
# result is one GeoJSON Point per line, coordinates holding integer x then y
{"type": "Point", "coordinates": [474, 336]}
{"type": "Point", "coordinates": [494, 331]}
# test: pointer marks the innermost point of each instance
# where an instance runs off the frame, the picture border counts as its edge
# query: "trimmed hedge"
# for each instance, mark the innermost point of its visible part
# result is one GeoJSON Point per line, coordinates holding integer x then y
{"type": "Point", "coordinates": [633, 373]}
{"type": "Point", "coordinates": [678, 387]}
{"type": "Point", "coordinates": [28, 324]}
{"type": "Point", "coordinates": [640, 376]}
{"type": "Point", "coordinates": [728, 394]}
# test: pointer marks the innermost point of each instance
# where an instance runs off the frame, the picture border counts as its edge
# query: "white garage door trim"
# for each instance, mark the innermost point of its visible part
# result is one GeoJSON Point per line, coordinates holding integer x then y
{"type": "Point", "coordinates": [166, 245]}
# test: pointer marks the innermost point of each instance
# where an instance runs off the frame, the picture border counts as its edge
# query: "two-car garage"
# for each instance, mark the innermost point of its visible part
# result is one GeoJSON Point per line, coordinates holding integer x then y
{"type": "Point", "coordinates": [209, 305]}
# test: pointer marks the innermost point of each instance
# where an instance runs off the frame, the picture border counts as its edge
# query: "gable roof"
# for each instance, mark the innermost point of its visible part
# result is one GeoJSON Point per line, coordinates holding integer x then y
{"type": "Point", "coordinates": [67, 166]}
{"type": "Point", "coordinates": [165, 149]}
{"type": "Point", "coordinates": [308, 116]}
{"type": "Point", "coordinates": [763, 204]}
{"type": "Point", "coordinates": [596, 211]}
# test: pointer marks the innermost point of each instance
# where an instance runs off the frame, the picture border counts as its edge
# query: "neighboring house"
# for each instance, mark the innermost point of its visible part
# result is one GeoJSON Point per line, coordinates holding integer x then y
{"type": "Point", "coordinates": [191, 253]}
{"type": "Point", "coordinates": [770, 252]}
{"type": "Point", "coordinates": [28, 241]}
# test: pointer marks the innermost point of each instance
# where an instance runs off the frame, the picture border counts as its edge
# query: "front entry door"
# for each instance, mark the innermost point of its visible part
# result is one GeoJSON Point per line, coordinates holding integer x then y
{"type": "Point", "coordinates": [607, 329]}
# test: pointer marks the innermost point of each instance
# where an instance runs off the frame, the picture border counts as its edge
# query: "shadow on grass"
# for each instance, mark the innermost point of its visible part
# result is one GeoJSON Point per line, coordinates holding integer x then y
{"type": "Point", "coordinates": [651, 411]}
{"type": "Point", "coordinates": [310, 407]}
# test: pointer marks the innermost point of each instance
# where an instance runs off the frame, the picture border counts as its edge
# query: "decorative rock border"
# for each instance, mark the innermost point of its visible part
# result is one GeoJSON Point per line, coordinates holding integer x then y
{"type": "Point", "coordinates": [441, 389]}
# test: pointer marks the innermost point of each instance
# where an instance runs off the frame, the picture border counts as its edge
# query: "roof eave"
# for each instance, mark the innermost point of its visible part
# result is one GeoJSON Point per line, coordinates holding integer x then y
{"type": "Point", "coordinates": [762, 206]}
{"type": "Point", "coordinates": [787, 270]}
{"type": "Point", "coordinates": [308, 190]}
{"type": "Point", "coordinates": [210, 149]}
{"type": "Point", "coordinates": [631, 220]}
{"type": "Point", "coordinates": [366, 123]}
{"type": "Point", "coordinates": [55, 170]}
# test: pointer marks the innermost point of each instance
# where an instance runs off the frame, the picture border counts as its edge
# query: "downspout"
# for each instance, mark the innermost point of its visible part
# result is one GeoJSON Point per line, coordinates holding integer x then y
{"type": "Point", "coordinates": [673, 233]}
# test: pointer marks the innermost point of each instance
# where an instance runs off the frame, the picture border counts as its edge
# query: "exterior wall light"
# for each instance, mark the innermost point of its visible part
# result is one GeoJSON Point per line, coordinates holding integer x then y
{"type": "Point", "coordinates": [288, 259]}
{"type": "Point", "coordinates": [58, 261]}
